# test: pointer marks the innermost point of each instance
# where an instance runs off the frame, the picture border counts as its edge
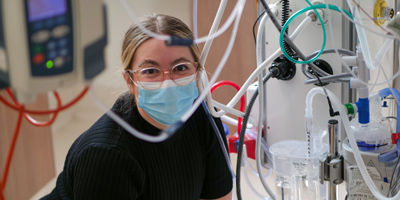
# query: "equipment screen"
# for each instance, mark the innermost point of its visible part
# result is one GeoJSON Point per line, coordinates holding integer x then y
{"type": "Point", "coordinates": [44, 9]}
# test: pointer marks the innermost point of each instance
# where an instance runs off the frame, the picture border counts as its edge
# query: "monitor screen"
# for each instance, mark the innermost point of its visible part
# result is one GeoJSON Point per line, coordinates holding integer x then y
{"type": "Point", "coordinates": [44, 9]}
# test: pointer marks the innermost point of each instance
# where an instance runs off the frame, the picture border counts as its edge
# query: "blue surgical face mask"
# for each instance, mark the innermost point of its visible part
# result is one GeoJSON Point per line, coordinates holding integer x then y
{"type": "Point", "coordinates": [170, 102]}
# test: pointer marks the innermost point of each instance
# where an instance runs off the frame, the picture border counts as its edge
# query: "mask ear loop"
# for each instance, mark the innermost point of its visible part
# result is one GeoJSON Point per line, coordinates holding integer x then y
{"type": "Point", "coordinates": [128, 79]}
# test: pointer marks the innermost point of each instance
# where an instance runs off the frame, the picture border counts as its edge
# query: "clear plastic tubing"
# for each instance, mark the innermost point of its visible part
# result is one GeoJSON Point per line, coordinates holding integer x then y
{"type": "Point", "coordinates": [350, 136]}
{"type": "Point", "coordinates": [391, 91]}
{"type": "Point", "coordinates": [382, 51]}
{"type": "Point", "coordinates": [361, 35]}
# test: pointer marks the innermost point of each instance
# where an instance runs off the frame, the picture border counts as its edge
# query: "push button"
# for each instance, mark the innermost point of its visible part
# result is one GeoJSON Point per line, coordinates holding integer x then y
{"type": "Point", "coordinates": [51, 45]}
{"type": "Point", "coordinates": [61, 20]}
{"type": "Point", "coordinates": [40, 36]}
{"type": "Point", "coordinates": [63, 42]}
{"type": "Point", "coordinates": [38, 25]}
{"type": "Point", "coordinates": [60, 31]}
{"type": "Point", "coordinates": [37, 49]}
{"type": "Point", "coordinates": [59, 61]}
{"type": "Point", "coordinates": [50, 22]}
{"type": "Point", "coordinates": [64, 52]}
{"type": "Point", "coordinates": [52, 54]}
{"type": "Point", "coordinates": [38, 58]}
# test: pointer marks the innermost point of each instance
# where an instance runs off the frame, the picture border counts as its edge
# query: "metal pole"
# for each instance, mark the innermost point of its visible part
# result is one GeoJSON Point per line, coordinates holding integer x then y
{"type": "Point", "coordinates": [260, 10]}
{"type": "Point", "coordinates": [333, 153]}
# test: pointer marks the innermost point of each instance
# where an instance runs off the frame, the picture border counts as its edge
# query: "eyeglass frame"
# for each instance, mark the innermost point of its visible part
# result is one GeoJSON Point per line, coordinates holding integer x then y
{"type": "Point", "coordinates": [195, 64]}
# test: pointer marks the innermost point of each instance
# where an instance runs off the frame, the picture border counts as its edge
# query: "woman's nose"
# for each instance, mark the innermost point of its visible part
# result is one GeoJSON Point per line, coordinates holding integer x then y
{"type": "Point", "coordinates": [167, 75]}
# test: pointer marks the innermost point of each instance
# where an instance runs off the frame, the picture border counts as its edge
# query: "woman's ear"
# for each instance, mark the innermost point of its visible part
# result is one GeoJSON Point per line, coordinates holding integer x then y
{"type": "Point", "coordinates": [128, 82]}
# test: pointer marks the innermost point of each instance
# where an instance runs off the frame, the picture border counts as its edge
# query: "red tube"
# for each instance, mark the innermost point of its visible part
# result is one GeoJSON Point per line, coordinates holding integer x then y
{"type": "Point", "coordinates": [1, 193]}
{"type": "Point", "coordinates": [37, 112]}
{"type": "Point", "coordinates": [11, 150]}
{"type": "Point", "coordinates": [242, 99]}
{"type": "Point", "coordinates": [53, 118]}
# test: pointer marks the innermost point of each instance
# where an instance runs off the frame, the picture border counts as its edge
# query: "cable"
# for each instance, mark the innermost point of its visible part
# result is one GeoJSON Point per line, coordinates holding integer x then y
{"type": "Point", "coordinates": [285, 16]}
{"type": "Point", "coordinates": [254, 26]}
{"type": "Point", "coordinates": [12, 148]}
{"type": "Point", "coordinates": [241, 138]}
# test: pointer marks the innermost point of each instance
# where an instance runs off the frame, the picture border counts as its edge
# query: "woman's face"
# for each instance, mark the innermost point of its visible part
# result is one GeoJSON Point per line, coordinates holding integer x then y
{"type": "Point", "coordinates": [158, 54]}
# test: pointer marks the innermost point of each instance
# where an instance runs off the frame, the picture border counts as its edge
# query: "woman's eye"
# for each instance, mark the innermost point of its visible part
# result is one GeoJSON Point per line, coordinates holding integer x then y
{"type": "Point", "coordinates": [150, 71]}
{"type": "Point", "coordinates": [180, 68]}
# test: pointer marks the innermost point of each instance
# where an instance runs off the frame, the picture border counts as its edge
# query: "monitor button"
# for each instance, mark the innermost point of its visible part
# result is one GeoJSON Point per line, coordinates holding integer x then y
{"type": "Point", "coordinates": [63, 42]}
{"type": "Point", "coordinates": [60, 31]}
{"type": "Point", "coordinates": [64, 52]}
{"type": "Point", "coordinates": [38, 58]}
{"type": "Point", "coordinates": [51, 45]}
{"type": "Point", "coordinates": [40, 36]}
{"type": "Point", "coordinates": [59, 61]}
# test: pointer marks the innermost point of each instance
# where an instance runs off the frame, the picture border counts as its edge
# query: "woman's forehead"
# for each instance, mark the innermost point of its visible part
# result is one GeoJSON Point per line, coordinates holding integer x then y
{"type": "Point", "coordinates": [159, 52]}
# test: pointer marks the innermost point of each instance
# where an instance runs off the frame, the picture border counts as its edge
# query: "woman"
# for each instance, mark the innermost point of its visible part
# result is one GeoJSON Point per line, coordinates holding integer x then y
{"type": "Point", "coordinates": [107, 162]}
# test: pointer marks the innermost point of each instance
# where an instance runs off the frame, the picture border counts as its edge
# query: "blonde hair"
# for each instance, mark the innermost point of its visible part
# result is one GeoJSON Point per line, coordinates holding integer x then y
{"type": "Point", "coordinates": [158, 23]}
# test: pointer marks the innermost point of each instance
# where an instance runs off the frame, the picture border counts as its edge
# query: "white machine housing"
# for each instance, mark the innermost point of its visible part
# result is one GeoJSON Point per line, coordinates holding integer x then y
{"type": "Point", "coordinates": [48, 44]}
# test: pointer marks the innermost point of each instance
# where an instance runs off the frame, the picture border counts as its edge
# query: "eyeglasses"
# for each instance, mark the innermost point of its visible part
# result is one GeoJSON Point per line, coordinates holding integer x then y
{"type": "Point", "coordinates": [151, 78]}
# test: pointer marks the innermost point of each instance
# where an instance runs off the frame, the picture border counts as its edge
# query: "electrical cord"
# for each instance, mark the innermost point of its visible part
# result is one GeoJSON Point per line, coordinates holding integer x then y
{"type": "Point", "coordinates": [243, 132]}
{"type": "Point", "coordinates": [254, 26]}
{"type": "Point", "coordinates": [285, 17]}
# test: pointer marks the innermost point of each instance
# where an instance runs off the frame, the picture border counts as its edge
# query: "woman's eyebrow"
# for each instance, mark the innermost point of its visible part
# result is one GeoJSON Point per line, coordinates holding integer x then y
{"type": "Point", "coordinates": [179, 60]}
{"type": "Point", "coordinates": [147, 62]}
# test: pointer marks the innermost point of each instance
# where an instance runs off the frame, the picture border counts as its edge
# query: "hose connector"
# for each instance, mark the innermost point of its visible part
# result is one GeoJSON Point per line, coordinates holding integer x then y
{"type": "Point", "coordinates": [351, 108]}
{"type": "Point", "coordinates": [363, 110]}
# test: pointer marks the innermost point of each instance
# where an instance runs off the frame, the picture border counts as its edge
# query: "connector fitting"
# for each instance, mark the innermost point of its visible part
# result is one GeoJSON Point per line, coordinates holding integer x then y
{"type": "Point", "coordinates": [363, 110]}
{"type": "Point", "coordinates": [282, 68]}
{"type": "Point", "coordinates": [351, 108]}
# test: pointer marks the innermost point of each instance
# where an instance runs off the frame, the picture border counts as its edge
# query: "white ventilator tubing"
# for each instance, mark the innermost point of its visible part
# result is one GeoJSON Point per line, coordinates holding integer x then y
{"type": "Point", "coordinates": [149, 138]}
{"type": "Point", "coordinates": [361, 36]}
{"type": "Point", "coordinates": [226, 25]}
{"type": "Point", "coordinates": [220, 66]}
{"type": "Point", "coordinates": [214, 27]}
{"type": "Point", "coordinates": [229, 107]}
{"type": "Point", "coordinates": [350, 135]}
{"type": "Point", "coordinates": [379, 55]}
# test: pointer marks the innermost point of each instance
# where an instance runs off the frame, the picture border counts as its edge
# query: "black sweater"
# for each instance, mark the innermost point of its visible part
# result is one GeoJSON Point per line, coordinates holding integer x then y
{"type": "Point", "coordinates": [107, 162]}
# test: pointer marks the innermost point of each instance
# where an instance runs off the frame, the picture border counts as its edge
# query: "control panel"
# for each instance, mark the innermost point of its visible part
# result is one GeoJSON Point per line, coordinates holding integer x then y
{"type": "Point", "coordinates": [49, 24]}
